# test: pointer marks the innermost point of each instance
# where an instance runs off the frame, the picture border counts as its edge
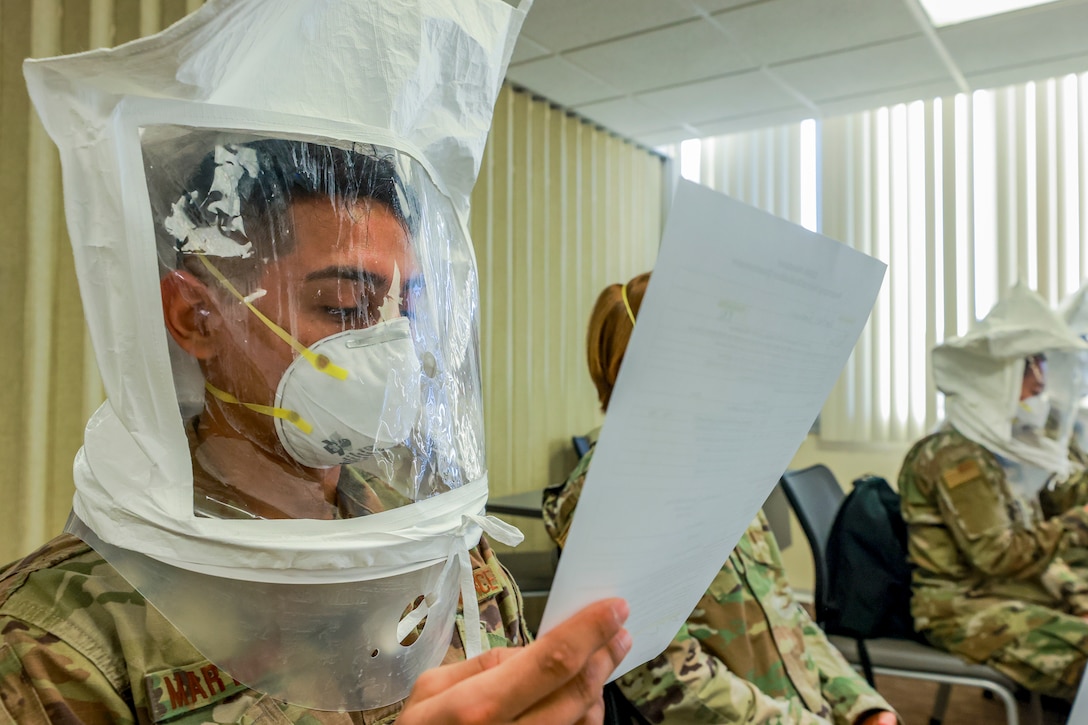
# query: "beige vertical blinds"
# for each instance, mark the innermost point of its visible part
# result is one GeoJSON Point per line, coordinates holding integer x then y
{"type": "Point", "coordinates": [48, 380]}
{"type": "Point", "coordinates": [561, 210]}
{"type": "Point", "coordinates": [962, 196]}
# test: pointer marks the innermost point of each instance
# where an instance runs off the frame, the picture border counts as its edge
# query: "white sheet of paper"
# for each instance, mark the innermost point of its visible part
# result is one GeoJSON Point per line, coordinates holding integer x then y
{"type": "Point", "coordinates": [1079, 713]}
{"type": "Point", "coordinates": [742, 333]}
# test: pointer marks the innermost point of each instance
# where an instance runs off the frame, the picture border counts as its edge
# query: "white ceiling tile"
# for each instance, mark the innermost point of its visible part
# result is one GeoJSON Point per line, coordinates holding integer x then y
{"type": "Point", "coordinates": [565, 24]}
{"type": "Point", "coordinates": [676, 134]}
{"type": "Point", "coordinates": [679, 53]}
{"type": "Point", "coordinates": [527, 49]}
{"type": "Point", "coordinates": [1025, 73]}
{"type": "Point", "coordinates": [895, 64]}
{"type": "Point", "coordinates": [749, 123]}
{"type": "Point", "coordinates": [665, 76]}
{"type": "Point", "coordinates": [558, 80]}
{"type": "Point", "coordinates": [627, 116]}
{"type": "Point", "coordinates": [721, 98]}
{"type": "Point", "coordinates": [889, 97]}
{"type": "Point", "coordinates": [1027, 37]}
{"type": "Point", "coordinates": [713, 6]}
{"type": "Point", "coordinates": [782, 30]}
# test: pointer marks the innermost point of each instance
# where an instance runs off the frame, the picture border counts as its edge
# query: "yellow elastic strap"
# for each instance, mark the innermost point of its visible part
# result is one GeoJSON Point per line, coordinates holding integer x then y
{"type": "Point", "coordinates": [289, 415]}
{"type": "Point", "coordinates": [320, 363]}
{"type": "Point", "coordinates": [627, 303]}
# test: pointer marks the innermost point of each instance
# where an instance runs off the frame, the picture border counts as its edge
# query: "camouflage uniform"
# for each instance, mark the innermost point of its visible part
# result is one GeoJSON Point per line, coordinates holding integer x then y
{"type": "Point", "coordinates": [1072, 493]}
{"type": "Point", "coordinates": [79, 645]}
{"type": "Point", "coordinates": [990, 582]}
{"type": "Point", "coordinates": [747, 654]}
{"type": "Point", "coordinates": [1056, 500]}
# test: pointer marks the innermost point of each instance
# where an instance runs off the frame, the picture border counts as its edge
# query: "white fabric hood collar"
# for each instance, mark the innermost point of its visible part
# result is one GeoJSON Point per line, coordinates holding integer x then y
{"type": "Point", "coordinates": [1075, 311]}
{"type": "Point", "coordinates": [981, 372]}
{"type": "Point", "coordinates": [422, 73]}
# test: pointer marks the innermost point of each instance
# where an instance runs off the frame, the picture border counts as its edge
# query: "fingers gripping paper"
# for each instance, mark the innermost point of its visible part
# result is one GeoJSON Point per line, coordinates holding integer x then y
{"type": "Point", "coordinates": [743, 331]}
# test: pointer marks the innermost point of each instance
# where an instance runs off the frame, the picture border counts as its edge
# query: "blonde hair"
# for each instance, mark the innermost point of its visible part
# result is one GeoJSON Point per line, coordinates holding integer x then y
{"type": "Point", "coordinates": [610, 326]}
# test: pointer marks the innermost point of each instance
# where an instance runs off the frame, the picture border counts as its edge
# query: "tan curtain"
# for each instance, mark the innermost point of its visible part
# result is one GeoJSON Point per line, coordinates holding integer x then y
{"type": "Point", "coordinates": [761, 168]}
{"type": "Point", "coordinates": [48, 380]}
{"type": "Point", "coordinates": [561, 210]}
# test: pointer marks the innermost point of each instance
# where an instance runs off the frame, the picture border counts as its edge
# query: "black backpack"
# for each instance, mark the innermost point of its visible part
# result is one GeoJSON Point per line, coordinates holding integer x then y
{"type": "Point", "coordinates": [868, 592]}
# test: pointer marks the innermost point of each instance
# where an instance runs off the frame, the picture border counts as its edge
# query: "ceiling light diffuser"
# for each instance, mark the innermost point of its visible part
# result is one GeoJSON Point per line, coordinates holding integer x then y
{"type": "Point", "coordinates": [950, 12]}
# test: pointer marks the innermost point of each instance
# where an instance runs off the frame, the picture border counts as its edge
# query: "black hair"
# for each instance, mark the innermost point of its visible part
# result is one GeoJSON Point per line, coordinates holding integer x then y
{"type": "Point", "coordinates": [287, 171]}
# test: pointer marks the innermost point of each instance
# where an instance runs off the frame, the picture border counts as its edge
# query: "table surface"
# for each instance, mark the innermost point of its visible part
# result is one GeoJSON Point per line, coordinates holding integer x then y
{"type": "Point", "coordinates": [526, 503]}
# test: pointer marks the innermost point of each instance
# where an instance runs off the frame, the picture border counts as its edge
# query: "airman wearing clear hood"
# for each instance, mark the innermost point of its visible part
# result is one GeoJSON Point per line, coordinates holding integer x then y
{"type": "Point", "coordinates": [283, 495]}
{"type": "Point", "coordinates": [990, 579]}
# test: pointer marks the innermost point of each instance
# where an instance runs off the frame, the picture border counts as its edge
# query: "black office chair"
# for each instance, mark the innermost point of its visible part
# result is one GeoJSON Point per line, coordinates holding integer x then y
{"type": "Point", "coordinates": [815, 496]}
{"type": "Point", "coordinates": [581, 445]}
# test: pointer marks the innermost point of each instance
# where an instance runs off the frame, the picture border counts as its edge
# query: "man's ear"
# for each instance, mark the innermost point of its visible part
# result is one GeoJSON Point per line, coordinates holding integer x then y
{"type": "Point", "coordinates": [188, 307]}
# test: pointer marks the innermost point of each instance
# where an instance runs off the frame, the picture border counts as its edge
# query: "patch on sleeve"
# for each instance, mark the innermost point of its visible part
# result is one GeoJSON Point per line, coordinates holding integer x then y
{"type": "Point", "coordinates": [961, 473]}
{"type": "Point", "coordinates": [175, 692]}
{"type": "Point", "coordinates": [486, 583]}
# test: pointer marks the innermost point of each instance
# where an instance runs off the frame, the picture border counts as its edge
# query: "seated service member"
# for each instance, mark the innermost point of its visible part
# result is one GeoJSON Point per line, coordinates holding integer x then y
{"type": "Point", "coordinates": [278, 510]}
{"type": "Point", "coordinates": [991, 582]}
{"type": "Point", "coordinates": [748, 653]}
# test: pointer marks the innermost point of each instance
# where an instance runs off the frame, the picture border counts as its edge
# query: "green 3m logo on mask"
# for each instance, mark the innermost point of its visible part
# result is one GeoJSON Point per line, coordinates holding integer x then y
{"type": "Point", "coordinates": [336, 445]}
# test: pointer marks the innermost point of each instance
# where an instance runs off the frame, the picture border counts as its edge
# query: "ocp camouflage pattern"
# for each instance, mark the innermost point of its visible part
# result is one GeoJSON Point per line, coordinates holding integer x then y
{"type": "Point", "coordinates": [79, 645]}
{"type": "Point", "coordinates": [748, 653]}
{"type": "Point", "coordinates": [991, 582]}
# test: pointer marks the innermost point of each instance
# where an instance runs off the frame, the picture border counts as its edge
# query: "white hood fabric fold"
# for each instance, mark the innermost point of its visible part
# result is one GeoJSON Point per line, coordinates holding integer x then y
{"type": "Point", "coordinates": [1074, 310]}
{"type": "Point", "coordinates": [980, 375]}
{"type": "Point", "coordinates": [418, 76]}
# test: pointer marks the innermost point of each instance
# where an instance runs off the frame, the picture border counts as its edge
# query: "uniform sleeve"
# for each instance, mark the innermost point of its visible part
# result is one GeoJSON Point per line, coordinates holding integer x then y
{"type": "Point", "coordinates": [1064, 584]}
{"type": "Point", "coordinates": [842, 688]}
{"type": "Point", "coordinates": [685, 683]}
{"type": "Point", "coordinates": [849, 695]}
{"type": "Point", "coordinates": [970, 494]}
{"type": "Point", "coordinates": [44, 680]}
{"type": "Point", "coordinates": [1070, 494]}
{"type": "Point", "coordinates": [559, 502]}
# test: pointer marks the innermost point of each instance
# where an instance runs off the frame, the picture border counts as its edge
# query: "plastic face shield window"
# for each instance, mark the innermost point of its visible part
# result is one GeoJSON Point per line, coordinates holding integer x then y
{"type": "Point", "coordinates": [320, 299]}
{"type": "Point", "coordinates": [1059, 375]}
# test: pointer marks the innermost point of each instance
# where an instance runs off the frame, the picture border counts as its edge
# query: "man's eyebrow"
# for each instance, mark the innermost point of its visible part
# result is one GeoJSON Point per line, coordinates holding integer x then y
{"type": "Point", "coordinates": [351, 274]}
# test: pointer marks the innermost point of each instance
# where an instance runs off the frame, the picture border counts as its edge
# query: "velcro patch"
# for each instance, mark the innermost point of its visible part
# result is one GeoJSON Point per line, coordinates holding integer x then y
{"type": "Point", "coordinates": [962, 473]}
{"type": "Point", "coordinates": [175, 692]}
{"type": "Point", "coordinates": [486, 583]}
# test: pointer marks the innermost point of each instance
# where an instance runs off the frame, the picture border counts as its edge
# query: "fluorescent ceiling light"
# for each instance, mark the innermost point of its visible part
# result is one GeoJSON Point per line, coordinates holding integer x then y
{"type": "Point", "coordinates": [950, 12]}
